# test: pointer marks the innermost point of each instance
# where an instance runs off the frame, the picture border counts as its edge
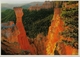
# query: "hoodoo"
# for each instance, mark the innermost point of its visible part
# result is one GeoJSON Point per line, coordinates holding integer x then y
{"type": "Point", "coordinates": [54, 30]}
{"type": "Point", "coordinates": [22, 38]}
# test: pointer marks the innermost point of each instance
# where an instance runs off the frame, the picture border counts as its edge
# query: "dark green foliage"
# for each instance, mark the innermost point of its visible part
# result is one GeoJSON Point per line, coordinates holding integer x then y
{"type": "Point", "coordinates": [70, 18]}
{"type": "Point", "coordinates": [8, 15]}
{"type": "Point", "coordinates": [37, 21]}
{"type": "Point", "coordinates": [34, 21]}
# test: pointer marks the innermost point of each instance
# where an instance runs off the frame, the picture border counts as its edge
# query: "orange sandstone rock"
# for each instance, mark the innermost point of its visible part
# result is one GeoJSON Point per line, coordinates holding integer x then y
{"type": "Point", "coordinates": [22, 38]}
{"type": "Point", "coordinates": [54, 30]}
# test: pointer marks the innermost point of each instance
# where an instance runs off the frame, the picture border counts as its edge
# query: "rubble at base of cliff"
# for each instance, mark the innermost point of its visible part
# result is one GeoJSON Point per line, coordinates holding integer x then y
{"type": "Point", "coordinates": [9, 40]}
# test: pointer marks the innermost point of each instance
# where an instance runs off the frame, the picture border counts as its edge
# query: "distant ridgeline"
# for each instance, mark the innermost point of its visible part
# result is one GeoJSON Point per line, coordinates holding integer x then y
{"type": "Point", "coordinates": [45, 5]}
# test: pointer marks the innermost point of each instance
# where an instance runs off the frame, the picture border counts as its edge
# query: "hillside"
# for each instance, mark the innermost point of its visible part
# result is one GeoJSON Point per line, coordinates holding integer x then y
{"type": "Point", "coordinates": [7, 15]}
{"type": "Point", "coordinates": [63, 31]}
{"type": "Point", "coordinates": [36, 25]}
{"type": "Point", "coordinates": [31, 20]}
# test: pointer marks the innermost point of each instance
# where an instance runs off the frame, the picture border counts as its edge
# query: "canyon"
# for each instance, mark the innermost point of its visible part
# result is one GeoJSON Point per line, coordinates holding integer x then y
{"type": "Point", "coordinates": [14, 40]}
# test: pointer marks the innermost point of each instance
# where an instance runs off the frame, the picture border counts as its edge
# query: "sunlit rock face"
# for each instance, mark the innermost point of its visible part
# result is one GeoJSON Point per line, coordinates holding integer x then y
{"type": "Point", "coordinates": [54, 30]}
{"type": "Point", "coordinates": [22, 38]}
{"type": "Point", "coordinates": [55, 44]}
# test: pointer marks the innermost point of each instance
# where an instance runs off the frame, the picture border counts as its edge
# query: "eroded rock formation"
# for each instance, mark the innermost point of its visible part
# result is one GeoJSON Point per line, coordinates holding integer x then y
{"type": "Point", "coordinates": [40, 44]}
{"type": "Point", "coordinates": [54, 30]}
{"type": "Point", "coordinates": [9, 39]}
{"type": "Point", "coordinates": [15, 41]}
{"type": "Point", "coordinates": [45, 5]}
{"type": "Point", "coordinates": [55, 44]}
{"type": "Point", "coordinates": [10, 44]}
{"type": "Point", "coordinates": [22, 38]}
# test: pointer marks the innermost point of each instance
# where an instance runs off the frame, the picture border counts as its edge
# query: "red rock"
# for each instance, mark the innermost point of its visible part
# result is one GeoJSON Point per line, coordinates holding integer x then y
{"type": "Point", "coordinates": [54, 30]}
{"type": "Point", "coordinates": [22, 38]}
